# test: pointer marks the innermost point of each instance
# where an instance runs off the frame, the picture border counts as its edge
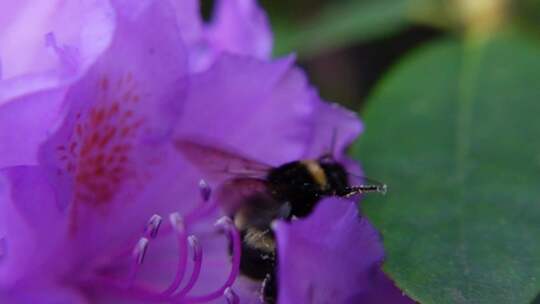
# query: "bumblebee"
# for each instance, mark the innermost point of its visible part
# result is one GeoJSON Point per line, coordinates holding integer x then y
{"type": "Point", "coordinates": [255, 194]}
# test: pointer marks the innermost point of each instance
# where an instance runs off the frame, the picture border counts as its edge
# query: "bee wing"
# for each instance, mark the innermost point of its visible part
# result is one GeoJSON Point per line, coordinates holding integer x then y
{"type": "Point", "coordinates": [233, 193]}
{"type": "Point", "coordinates": [221, 163]}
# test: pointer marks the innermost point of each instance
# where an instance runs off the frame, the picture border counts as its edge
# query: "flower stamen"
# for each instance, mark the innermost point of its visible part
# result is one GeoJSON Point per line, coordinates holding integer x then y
{"type": "Point", "coordinates": [66, 54]}
{"type": "Point", "coordinates": [228, 226]}
{"type": "Point", "coordinates": [186, 243]}
{"type": "Point", "coordinates": [138, 254]}
{"type": "Point", "coordinates": [152, 228]}
{"type": "Point", "coordinates": [197, 264]}
{"type": "Point", "coordinates": [205, 206]}
{"type": "Point", "coordinates": [205, 190]}
{"type": "Point", "coordinates": [180, 230]}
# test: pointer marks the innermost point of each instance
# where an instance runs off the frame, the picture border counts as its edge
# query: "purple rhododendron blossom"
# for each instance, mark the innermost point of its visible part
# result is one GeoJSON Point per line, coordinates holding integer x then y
{"type": "Point", "coordinates": [96, 203]}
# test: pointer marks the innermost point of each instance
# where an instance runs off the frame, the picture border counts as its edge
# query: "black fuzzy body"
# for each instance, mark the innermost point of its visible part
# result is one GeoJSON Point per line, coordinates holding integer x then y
{"type": "Point", "coordinates": [295, 184]}
{"type": "Point", "coordinates": [293, 191]}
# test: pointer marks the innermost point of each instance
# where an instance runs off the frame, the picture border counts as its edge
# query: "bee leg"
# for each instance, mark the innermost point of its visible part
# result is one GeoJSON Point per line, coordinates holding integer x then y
{"type": "Point", "coordinates": [269, 289]}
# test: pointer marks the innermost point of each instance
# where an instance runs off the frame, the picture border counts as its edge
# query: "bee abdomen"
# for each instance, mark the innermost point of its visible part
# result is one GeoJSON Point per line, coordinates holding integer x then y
{"type": "Point", "coordinates": [258, 259]}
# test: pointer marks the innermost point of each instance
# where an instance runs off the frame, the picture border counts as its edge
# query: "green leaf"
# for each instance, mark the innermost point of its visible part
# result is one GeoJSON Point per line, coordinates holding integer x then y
{"type": "Point", "coordinates": [454, 131]}
{"type": "Point", "coordinates": [341, 22]}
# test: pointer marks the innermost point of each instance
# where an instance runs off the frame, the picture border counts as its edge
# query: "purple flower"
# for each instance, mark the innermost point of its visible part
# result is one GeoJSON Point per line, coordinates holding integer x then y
{"type": "Point", "coordinates": [96, 203]}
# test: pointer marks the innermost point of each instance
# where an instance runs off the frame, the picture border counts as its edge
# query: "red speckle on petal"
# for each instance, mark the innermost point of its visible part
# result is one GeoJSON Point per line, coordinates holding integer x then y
{"type": "Point", "coordinates": [104, 83]}
{"type": "Point", "coordinates": [78, 129]}
{"type": "Point", "coordinates": [114, 109]}
{"type": "Point", "coordinates": [72, 147]}
{"type": "Point", "coordinates": [128, 114]}
{"type": "Point", "coordinates": [100, 147]}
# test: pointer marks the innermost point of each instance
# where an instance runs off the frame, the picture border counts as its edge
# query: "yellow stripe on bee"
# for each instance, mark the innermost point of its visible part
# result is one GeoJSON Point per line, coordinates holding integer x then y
{"type": "Point", "coordinates": [317, 172]}
{"type": "Point", "coordinates": [260, 239]}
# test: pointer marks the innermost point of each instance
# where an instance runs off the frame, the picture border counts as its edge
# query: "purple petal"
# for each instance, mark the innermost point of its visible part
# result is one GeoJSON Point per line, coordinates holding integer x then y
{"type": "Point", "coordinates": [240, 99]}
{"type": "Point", "coordinates": [329, 257]}
{"type": "Point", "coordinates": [383, 291]}
{"type": "Point", "coordinates": [334, 128]}
{"type": "Point", "coordinates": [241, 27]}
{"type": "Point", "coordinates": [25, 123]}
{"type": "Point", "coordinates": [36, 79]}
{"type": "Point", "coordinates": [42, 295]}
{"type": "Point", "coordinates": [237, 26]}
{"type": "Point", "coordinates": [189, 20]}
{"type": "Point", "coordinates": [30, 225]}
{"type": "Point", "coordinates": [193, 29]}
{"type": "Point", "coordinates": [83, 28]}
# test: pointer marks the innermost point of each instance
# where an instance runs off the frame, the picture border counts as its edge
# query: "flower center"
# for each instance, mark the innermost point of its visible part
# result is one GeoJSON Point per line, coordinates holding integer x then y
{"type": "Point", "coordinates": [180, 287]}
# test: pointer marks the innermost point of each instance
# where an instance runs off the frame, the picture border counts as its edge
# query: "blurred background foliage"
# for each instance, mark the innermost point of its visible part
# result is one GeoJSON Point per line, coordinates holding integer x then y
{"type": "Point", "coordinates": [449, 93]}
{"type": "Point", "coordinates": [357, 40]}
